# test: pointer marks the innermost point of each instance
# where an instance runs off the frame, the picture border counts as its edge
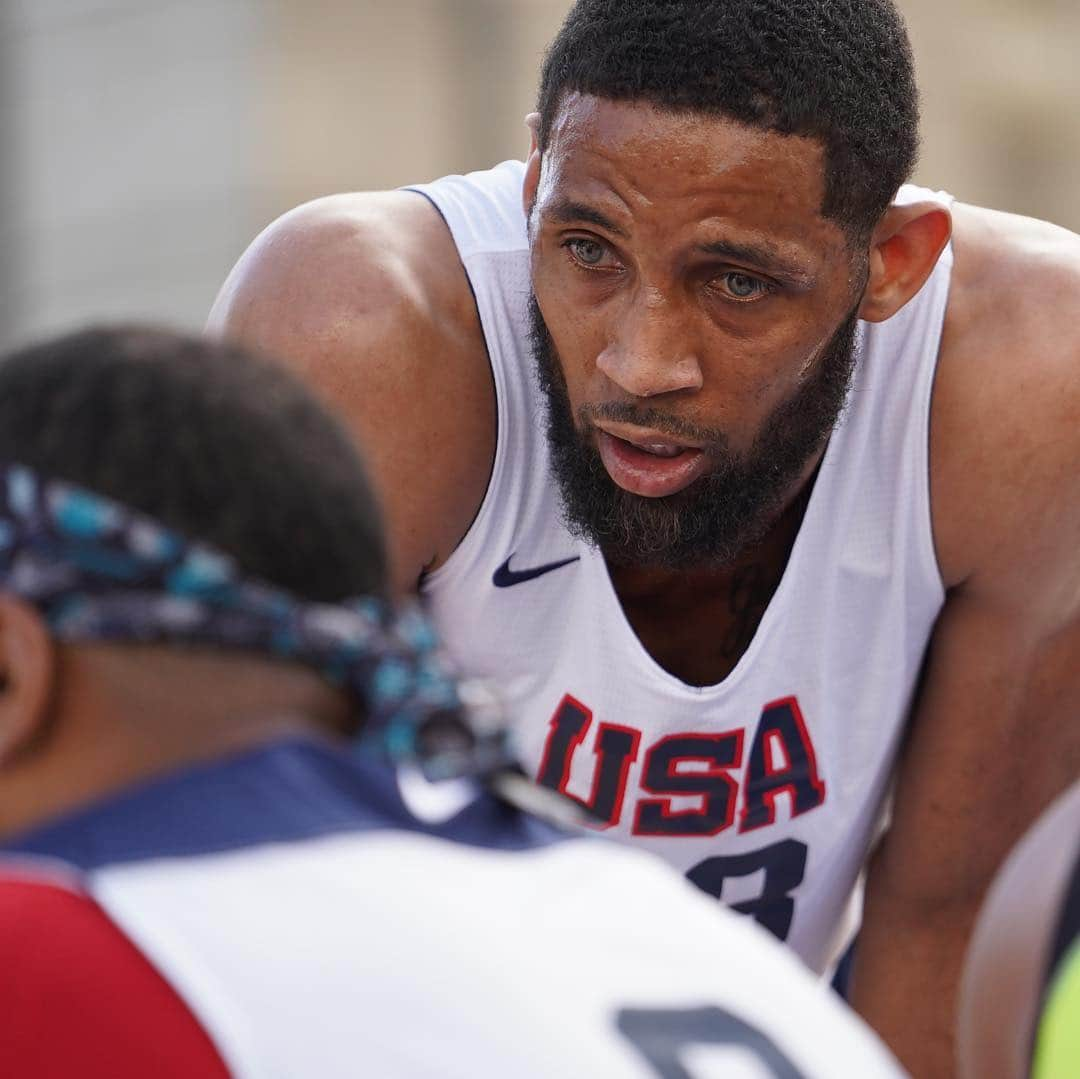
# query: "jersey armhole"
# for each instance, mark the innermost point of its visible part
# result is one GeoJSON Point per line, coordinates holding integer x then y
{"type": "Point", "coordinates": [496, 387]}
{"type": "Point", "coordinates": [927, 383]}
{"type": "Point", "coordinates": [502, 406]}
{"type": "Point", "coordinates": [928, 545]}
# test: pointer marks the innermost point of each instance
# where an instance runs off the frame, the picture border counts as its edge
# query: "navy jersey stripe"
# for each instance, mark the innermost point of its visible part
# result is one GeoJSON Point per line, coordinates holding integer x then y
{"type": "Point", "coordinates": [290, 790]}
{"type": "Point", "coordinates": [1068, 925]}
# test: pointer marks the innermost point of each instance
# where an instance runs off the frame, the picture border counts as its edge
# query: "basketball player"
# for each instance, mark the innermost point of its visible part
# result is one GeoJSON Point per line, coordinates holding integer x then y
{"type": "Point", "coordinates": [742, 464]}
{"type": "Point", "coordinates": [1020, 999]}
{"type": "Point", "coordinates": [197, 876]}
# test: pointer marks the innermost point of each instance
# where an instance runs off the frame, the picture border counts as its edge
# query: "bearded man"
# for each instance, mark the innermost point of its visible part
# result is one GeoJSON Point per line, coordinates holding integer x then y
{"type": "Point", "coordinates": [796, 550]}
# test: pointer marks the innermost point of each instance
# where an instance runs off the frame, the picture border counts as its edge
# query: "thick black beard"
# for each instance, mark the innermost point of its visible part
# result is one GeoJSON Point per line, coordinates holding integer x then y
{"type": "Point", "coordinates": [711, 522]}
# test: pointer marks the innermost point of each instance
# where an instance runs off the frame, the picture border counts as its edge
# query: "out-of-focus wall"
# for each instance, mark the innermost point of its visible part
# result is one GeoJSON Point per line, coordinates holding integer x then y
{"type": "Point", "coordinates": [144, 142]}
{"type": "Point", "coordinates": [382, 94]}
{"type": "Point", "coordinates": [128, 154]}
{"type": "Point", "coordinates": [1000, 86]}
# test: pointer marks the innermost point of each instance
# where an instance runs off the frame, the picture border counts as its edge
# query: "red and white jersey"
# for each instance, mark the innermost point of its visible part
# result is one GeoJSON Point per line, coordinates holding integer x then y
{"type": "Point", "coordinates": [284, 914]}
{"type": "Point", "coordinates": [768, 788]}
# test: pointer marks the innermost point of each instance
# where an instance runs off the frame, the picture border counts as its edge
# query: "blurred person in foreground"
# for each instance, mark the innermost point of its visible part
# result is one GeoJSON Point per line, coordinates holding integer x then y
{"type": "Point", "coordinates": [1020, 999]}
{"type": "Point", "coordinates": [803, 527]}
{"type": "Point", "coordinates": [199, 873]}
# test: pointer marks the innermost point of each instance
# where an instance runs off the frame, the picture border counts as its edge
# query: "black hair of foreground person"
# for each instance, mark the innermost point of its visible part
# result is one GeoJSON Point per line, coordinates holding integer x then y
{"type": "Point", "coordinates": [207, 439]}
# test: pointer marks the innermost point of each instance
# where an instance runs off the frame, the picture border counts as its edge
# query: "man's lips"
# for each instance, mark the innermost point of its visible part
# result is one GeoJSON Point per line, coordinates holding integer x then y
{"type": "Point", "coordinates": [645, 438]}
{"type": "Point", "coordinates": [647, 462]}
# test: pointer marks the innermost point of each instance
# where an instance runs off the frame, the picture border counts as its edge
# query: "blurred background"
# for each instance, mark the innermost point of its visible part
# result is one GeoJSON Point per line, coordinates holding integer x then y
{"type": "Point", "coordinates": [143, 143]}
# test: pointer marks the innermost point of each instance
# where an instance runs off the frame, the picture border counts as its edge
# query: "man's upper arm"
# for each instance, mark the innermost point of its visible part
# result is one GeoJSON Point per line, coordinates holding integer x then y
{"type": "Point", "coordinates": [996, 731]}
{"type": "Point", "coordinates": [365, 298]}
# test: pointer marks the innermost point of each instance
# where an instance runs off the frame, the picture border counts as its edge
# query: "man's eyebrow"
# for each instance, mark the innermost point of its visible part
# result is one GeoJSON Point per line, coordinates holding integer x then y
{"type": "Point", "coordinates": [567, 212]}
{"type": "Point", "coordinates": [762, 257]}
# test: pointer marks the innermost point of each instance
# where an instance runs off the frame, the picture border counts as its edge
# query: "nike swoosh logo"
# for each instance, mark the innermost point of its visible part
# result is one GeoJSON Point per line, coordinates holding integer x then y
{"type": "Point", "coordinates": [505, 577]}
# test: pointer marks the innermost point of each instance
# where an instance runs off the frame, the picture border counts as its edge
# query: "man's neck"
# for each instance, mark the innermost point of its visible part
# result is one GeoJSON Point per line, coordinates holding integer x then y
{"type": "Point", "coordinates": [698, 621]}
{"type": "Point", "coordinates": [50, 788]}
{"type": "Point", "coordinates": [124, 716]}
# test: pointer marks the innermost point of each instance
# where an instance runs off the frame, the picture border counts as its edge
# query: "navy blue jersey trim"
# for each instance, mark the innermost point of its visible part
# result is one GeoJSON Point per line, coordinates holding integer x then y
{"type": "Point", "coordinates": [1068, 926]}
{"type": "Point", "coordinates": [287, 791]}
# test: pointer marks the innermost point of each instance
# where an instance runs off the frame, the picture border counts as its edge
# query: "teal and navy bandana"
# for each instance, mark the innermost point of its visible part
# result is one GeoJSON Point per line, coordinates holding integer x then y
{"type": "Point", "coordinates": [99, 571]}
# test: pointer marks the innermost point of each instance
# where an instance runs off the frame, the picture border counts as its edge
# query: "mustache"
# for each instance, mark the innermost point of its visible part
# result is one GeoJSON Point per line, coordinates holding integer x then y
{"type": "Point", "coordinates": [712, 440]}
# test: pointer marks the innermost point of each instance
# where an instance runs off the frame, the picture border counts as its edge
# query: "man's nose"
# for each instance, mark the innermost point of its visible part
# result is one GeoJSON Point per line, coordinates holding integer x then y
{"type": "Point", "coordinates": [651, 350]}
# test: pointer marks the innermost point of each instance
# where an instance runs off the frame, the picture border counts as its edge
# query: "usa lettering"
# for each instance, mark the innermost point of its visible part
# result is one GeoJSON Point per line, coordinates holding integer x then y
{"type": "Point", "coordinates": [780, 761]}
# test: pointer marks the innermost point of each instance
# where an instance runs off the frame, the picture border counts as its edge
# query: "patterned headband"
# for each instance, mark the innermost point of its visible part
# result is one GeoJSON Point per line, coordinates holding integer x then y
{"type": "Point", "coordinates": [99, 571]}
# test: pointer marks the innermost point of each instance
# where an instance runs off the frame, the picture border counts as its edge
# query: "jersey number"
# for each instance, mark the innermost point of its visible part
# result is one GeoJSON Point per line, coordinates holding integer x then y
{"type": "Point", "coordinates": [660, 1034]}
{"type": "Point", "coordinates": [783, 864]}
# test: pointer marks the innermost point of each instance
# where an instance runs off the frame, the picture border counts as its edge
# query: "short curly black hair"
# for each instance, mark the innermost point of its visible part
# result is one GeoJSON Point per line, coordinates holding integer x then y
{"type": "Point", "coordinates": [215, 443]}
{"type": "Point", "coordinates": [839, 71]}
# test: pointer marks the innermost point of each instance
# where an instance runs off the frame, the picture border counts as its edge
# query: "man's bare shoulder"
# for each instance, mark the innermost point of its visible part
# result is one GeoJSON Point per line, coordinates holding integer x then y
{"type": "Point", "coordinates": [1010, 273]}
{"type": "Point", "coordinates": [1005, 431]}
{"type": "Point", "coordinates": [364, 296]}
{"type": "Point", "coordinates": [339, 258]}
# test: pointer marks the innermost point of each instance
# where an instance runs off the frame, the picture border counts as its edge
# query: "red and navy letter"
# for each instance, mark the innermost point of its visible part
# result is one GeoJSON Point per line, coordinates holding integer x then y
{"type": "Point", "coordinates": [781, 761]}
{"type": "Point", "coordinates": [568, 726]}
{"type": "Point", "coordinates": [717, 790]}
{"type": "Point", "coordinates": [616, 749]}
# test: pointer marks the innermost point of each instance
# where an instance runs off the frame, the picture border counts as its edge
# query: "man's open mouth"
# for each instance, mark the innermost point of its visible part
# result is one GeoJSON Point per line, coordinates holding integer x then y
{"type": "Point", "coordinates": [648, 463]}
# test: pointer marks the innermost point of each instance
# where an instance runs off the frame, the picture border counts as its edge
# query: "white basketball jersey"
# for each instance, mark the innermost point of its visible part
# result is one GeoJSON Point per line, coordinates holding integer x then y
{"type": "Point", "coordinates": [315, 928]}
{"type": "Point", "coordinates": [767, 788]}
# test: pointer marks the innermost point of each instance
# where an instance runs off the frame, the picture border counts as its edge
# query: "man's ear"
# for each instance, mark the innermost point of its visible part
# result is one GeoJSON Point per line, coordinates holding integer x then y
{"type": "Point", "coordinates": [532, 164]}
{"type": "Point", "coordinates": [904, 249]}
{"type": "Point", "coordinates": [27, 672]}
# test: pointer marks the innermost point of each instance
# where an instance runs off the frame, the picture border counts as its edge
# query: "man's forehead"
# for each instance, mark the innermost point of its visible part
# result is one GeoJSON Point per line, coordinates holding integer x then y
{"type": "Point", "coordinates": [684, 136]}
{"type": "Point", "coordinates": [618, 164]}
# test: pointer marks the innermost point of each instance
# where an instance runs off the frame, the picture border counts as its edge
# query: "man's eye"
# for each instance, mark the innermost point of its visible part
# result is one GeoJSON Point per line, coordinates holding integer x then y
{"type": "Point", "coordinates": [740, 286]}
{"type": "Point", "coordinates": [587, 252]}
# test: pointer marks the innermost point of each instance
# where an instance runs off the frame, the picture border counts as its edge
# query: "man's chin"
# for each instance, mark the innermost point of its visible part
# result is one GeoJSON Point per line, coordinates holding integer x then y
{"type": "Point", "coordinates": [672, 532]}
